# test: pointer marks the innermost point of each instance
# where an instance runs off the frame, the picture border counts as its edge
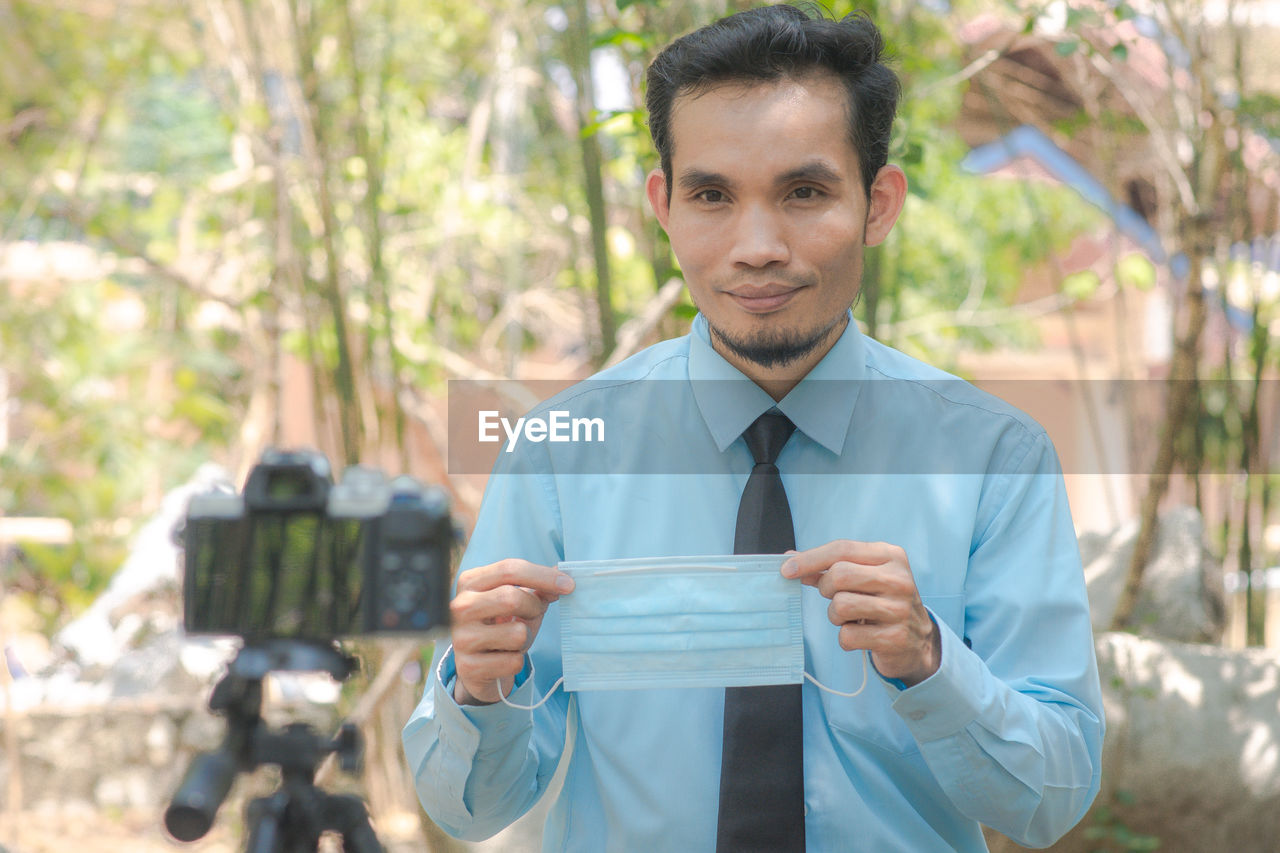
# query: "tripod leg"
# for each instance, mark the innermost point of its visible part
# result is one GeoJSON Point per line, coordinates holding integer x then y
{"type": "Point", "coordinates": [349, 817]}
{"type": "Point", "coordinates": [264, 816]}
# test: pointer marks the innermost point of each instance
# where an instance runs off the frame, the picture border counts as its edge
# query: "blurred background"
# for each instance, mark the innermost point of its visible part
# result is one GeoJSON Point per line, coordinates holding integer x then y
{"type": "Point", "coordinates": [233, 224]}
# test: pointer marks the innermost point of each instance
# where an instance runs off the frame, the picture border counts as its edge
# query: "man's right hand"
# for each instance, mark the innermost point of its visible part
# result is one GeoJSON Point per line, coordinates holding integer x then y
{"type": "Point", "coordinates": [496, 614]}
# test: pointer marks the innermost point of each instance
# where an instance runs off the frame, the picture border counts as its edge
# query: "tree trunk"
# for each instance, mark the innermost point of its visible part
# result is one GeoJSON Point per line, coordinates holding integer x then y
{"type": "Point", "coordinates": [1181, 405]}
{"type": "Point", "coordinates": [348, 396]}
{"type": "Point", "coordinates": [593, 169]}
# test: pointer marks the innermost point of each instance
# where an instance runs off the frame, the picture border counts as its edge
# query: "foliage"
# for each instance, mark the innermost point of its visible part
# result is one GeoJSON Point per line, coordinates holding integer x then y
{"type": "Point", "coordinates": [1106, 825]}
{"type": "Point", "coordinates": [390, 194]}
{"type": "Point", "coordinates": [376, 189]}
{"type": "Point", "coordinates": [107, 416]}
{"type": "Point", "coordinates": [379, 189]}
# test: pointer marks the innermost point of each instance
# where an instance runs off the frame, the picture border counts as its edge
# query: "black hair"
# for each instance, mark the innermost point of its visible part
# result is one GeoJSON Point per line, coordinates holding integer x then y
{"type": "Point", "coordinates": [769, 44]}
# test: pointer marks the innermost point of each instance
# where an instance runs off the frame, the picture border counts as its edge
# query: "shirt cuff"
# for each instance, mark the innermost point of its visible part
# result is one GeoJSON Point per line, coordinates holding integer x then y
{"type": "Point", "coordinates": [947, 701]}
{"type": "Point", "coordinates": [493, 722]}
{"type": "Point", "coordinates": [452, 738]}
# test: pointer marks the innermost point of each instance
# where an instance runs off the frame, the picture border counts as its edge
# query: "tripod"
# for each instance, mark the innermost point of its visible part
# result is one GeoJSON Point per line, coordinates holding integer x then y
{"type": "Point", "coordinates": [292, 819]}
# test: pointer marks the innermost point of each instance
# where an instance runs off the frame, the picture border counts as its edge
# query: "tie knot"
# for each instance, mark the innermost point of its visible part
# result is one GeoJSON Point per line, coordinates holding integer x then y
{"type": "Point", "coordinates": [767, 436]}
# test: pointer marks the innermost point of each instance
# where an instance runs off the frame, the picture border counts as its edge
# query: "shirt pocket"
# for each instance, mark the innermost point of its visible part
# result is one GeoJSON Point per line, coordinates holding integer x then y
{"type": "Point", "coordinates": [869, 718]}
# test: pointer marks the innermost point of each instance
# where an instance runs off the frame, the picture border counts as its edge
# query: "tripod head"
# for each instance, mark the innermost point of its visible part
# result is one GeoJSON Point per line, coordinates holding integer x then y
{"type": "Point", "coordinates": [292, 819]}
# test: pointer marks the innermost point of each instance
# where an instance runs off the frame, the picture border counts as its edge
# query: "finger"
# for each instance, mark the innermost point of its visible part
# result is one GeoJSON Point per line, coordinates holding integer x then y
{"type": "Point", "coordinates": [854, 636]}
{"type": "Point", "coordinates": [855, 608]}
{"type": "Point", "coordinates": [491, 666]}
{"type": "Point", "coordinates": [815, 561]}
{"type": "Point", "coordinates": [479, 676]}
{"type": "Point", "coordinates": [879, 639]}
{"type": "Point", "coordinates": [496, 605]}
{"type": "Point", "coordinates": [868, 580]}
{"type": "Point", "coordinates": [477, 639]}
{"type": "Point", "coordinates": [545, 580]}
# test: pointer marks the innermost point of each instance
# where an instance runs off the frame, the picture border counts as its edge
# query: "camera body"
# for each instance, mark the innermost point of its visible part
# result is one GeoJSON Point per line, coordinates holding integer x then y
{"type": "Point", "coordinates": [299, 557]}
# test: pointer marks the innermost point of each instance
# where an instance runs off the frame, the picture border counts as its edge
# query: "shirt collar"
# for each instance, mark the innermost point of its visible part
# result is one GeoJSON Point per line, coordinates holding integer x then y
{"type": "Point", "coordinates": [821, 405]}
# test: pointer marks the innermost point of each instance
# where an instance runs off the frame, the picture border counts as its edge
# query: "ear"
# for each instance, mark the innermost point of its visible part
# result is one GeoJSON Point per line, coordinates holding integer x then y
{"type": "Point", "coordinates": [655, 187]}
{"type": "Point", "coordinates": [888, 194]}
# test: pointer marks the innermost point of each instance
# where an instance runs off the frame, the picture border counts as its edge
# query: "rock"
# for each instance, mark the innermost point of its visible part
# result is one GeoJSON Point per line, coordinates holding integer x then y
{"type": "Point", "coordinates": [1192, 754]}
{"type": "Point", "coordinates": [1182, 592]}
{"type": "Point", "coordinates": [162, 742]}
{"type": "Point", "coordinates": [131, 788]}
{"type": "Point", "coordinates": [201, 732]}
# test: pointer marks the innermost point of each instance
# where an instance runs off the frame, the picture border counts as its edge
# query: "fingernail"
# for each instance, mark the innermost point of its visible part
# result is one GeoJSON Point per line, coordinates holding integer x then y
{"type": "Point", "coordinates": [790, 569]}
{"type": "Point", "coordinates": [564, 583]}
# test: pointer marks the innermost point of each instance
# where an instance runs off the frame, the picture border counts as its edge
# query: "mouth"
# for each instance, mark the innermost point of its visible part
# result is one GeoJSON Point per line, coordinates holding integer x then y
{"type": "Point", "coordinates": [763, 299]}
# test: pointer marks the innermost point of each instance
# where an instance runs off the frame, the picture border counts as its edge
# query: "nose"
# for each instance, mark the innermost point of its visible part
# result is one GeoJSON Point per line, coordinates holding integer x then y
{"type": "Point", "coordinates": [759, 238]}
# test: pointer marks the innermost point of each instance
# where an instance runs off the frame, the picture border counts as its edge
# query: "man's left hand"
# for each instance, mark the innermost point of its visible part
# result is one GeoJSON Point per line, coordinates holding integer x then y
{"type": "Point", "coordinates": [875, 604]}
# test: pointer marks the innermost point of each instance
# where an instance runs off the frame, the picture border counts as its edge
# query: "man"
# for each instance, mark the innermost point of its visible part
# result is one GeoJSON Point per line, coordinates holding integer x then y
{"type": "Point", "coordinates": [930, 521]}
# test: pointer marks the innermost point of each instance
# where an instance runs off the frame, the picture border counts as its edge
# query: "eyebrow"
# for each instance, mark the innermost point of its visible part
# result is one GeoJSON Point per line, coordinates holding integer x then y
{"type": "Point", "coordinates": [815, 171]}
{"type": "Point", "coordinates": [694, 178]}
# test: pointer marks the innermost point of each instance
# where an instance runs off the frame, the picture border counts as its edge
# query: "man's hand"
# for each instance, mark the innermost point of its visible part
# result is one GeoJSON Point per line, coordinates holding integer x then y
{"type": "Point", "coordinates": [875, 604]}
{"type": "Point", "coordinates": [496, 614]}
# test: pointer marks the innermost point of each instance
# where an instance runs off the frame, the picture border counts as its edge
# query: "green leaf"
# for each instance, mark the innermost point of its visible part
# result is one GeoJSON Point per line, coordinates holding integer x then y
{"type": "Point", "coordinates": [617, 37]}
{"type": "Point", "coordinates": [1066, 48]}
{"type": "Point", "coordinates": [1081, 285]}
{"type": "Point", "coordinates": [1136, 270]}
{"type": "Point", "coordinates": [1119, 52]}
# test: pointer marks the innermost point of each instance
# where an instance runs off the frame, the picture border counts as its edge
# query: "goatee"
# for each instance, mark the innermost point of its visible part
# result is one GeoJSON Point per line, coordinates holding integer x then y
{"type": "Point", "coordinates": [776, 348]}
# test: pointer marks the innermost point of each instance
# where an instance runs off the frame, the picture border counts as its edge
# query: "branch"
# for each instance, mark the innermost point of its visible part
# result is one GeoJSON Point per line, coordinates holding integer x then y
{"type": "Point", "coordinates": [634, 331]}
{"type": "Point", "coordinates": [992, 317]}
{"type": "Point", "coordinates": [971, 70]}
{"type": "Point", "coordinates": [125, 245]}
{"type": "Point", "coordinates": [1159, 135]}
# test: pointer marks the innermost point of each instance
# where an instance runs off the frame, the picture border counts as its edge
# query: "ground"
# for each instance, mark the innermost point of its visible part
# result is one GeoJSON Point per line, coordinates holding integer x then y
{"type": "Point", "coordinates": [143, 832]}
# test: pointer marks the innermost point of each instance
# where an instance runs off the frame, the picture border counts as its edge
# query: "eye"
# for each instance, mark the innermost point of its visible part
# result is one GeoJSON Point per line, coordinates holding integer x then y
{"type": "Point", "coordinates": [710, 196]}
{"type": "Point", "coordinates": [805, 193]}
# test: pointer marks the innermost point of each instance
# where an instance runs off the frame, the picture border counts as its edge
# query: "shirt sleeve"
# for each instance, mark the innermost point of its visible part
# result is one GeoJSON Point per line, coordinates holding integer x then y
{"type": "Point", "coordinates": [479, 768]}
{"type": "Point", "coordinates": [1011, 724]}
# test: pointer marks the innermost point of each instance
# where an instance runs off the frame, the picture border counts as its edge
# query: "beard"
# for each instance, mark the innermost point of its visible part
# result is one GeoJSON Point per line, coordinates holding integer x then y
{"type": "Point", "coordinates": [776, 348]}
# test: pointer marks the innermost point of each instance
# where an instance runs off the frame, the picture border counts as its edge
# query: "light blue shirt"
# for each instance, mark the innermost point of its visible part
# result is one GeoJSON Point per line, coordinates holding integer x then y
{"type": "Point", "coordinates": [1007, 733]}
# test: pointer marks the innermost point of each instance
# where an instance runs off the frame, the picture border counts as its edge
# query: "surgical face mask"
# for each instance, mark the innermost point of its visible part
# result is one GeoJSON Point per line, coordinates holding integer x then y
{"type": "Point", "coordinates": [723, 621]}
{"type": "Point", "coordinates": [676, 622]}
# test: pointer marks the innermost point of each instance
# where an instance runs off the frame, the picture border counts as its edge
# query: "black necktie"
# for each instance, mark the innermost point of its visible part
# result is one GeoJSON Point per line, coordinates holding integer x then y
{"type": "Point", "coordinates": [762, 773]}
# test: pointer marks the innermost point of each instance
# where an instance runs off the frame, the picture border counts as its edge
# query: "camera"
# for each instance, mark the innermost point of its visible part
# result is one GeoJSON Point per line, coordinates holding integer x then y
{"type": "Point", "coordinates": [290, 565]}
{"type": "Point", "coordinates": [299, 557]}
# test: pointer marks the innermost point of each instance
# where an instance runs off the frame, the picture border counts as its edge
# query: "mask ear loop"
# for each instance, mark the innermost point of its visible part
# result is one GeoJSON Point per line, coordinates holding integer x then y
{"type": "Point", "coordinates": [534, 707]}
{"type": "Point", "coordinates": [560, 681]}
{"type": "Point", "coordinates": [822, 686]}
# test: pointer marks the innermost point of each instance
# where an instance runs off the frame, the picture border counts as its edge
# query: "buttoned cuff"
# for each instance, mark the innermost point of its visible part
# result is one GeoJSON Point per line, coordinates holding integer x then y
{"type": "Point", "coordinates": [460, 739]}
{"type": "Point", "coordinates": [947, 701]}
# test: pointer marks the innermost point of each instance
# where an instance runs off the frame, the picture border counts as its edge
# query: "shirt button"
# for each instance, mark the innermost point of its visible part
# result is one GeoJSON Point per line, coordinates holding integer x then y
{"type": "Point", "coordinates": [917, 715]}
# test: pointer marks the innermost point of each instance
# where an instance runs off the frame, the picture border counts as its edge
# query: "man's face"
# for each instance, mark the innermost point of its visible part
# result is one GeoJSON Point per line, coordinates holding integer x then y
{"type": "Point", "coordinates": [768, 215]}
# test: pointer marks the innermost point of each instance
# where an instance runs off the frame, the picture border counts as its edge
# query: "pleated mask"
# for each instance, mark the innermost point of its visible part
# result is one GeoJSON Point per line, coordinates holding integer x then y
{"type": "Point", "coordinates": [646, 623]}
{"type": "Point", "coordinates": [731, 621]}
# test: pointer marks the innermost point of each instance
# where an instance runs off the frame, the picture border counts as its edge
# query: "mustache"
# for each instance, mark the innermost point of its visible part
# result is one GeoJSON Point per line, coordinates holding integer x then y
{"type": "Point", "coordinates": [758, 280]}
